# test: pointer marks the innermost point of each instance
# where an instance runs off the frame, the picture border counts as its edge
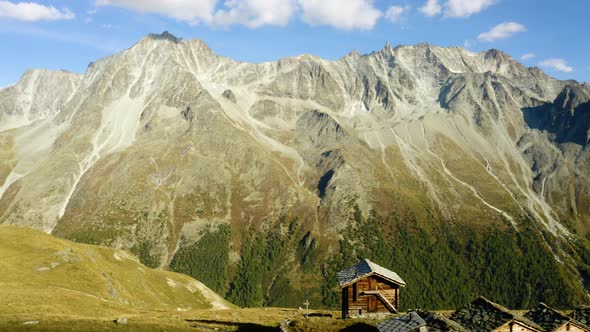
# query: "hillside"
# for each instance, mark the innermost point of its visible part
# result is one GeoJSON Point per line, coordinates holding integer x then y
{"type": "Point", "coordinates": [51, 284]}
{"type": "Point", "coordinates": [43, 277]}
{"type": "Point", "coordinates": [464, 172]}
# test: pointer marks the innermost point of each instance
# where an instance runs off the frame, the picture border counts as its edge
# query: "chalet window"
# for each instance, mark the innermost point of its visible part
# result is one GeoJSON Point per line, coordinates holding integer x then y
{"type": "Point", "coordinates": [354, 293]}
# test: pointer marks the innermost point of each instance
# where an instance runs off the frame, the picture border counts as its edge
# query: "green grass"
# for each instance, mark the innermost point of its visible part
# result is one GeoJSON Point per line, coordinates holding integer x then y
{"type": "Point", "coordinates": [45, 275]}
{"type": "Point", "coordinates": [92, 286]}
{"type": "Point", "coordinates": [244, 320]}
{"type": "Point", "coordinates": [62, 285]}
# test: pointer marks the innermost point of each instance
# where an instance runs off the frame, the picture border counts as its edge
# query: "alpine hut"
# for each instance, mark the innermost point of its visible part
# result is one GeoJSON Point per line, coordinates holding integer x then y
{"type": "Point", "coordinates": [369, 288]}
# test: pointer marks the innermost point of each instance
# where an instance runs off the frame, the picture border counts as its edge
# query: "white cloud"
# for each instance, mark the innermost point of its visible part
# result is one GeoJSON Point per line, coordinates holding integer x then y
{"type": "Point", "coordinates": [465, 8]}
{"type": "Point", "coordinates": [557, 64]}
{"type": "Point", "coordinates": [396, 14]}
{"type": "Point", "coordinates": [255, 13]}
{"type": "Point", "coordinates": [527, 56]}
{"type": "Point", "coordinates": [31, 12]}
{"type": "Point", "coordinates": [191, 11]}
{"type": "Point", "coordinates": [501, 31]}
{"type": "Point", "coordinates": [353, 14]}
{"type": "Point", "coordinates": [431, 8]}
{"type": "Point", "coordinates": [91, 12]}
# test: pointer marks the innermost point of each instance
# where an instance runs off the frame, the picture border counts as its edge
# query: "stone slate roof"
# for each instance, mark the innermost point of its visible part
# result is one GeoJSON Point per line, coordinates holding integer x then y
{"type": "Point", "coordinates": [409, 322]}
{"type": "Point", "coordinates": [366, 268]}
{"type": "Point", "coordinates": [485, 315]}
{"type": "Point", "coordinates": [549, 319]}
{"type": "Point", "coordinates": [439, 323]}
{"type": "Point", "coordinates": [582, 315]}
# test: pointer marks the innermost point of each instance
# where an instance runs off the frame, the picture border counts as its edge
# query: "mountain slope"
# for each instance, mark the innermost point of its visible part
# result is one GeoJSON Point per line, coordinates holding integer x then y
{"type": "Point", "coordinates": [255, 178]}
{"type": "Point", "coordinates": [45, 274]}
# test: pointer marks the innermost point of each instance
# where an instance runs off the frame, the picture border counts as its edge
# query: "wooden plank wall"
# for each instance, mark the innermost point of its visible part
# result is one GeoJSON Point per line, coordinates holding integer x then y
{"type": "Point", "coordinates": [361, 305]}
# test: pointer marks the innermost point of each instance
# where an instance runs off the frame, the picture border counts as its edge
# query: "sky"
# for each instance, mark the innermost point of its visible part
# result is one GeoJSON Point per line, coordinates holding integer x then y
{"type": "Point", "coordinates": [551, 34]}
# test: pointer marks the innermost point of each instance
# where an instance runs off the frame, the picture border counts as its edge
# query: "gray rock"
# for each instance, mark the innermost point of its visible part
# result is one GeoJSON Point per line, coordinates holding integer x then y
{"type": "Point", "coordinates": [121, 321]}
{"type": "Point", "coordinates": [284, 326]}
{"type": "Point", "coordinates": [229, 95]}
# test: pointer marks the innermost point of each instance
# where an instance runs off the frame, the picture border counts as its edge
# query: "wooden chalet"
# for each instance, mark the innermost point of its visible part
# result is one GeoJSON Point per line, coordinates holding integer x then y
{"type": "Point", "coordinates": [485, 315]}
{"type": "Point", "coordinates": [369, 288]}
{"type": "Point", "coordinates": [553, 321]}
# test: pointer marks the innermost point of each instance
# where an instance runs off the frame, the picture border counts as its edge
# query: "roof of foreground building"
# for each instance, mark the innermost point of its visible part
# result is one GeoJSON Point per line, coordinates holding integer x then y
{"type": "Point", "coordinates": [364, 269]}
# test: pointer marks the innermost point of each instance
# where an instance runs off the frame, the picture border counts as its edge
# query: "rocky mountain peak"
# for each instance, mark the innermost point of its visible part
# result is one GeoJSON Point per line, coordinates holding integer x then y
{"type": "Point", "coordinates": [536, 71]}
{"type": "Point", "coordinates": [572, 96]}
{"type": "Point", "coordinates": [164, 36]}
{"type": "Point", "coordinates": [168, 42]}
{"type": "Point", "coordinates": [353, 55]}
{"type": "Point", "coordinates": [495, 54]}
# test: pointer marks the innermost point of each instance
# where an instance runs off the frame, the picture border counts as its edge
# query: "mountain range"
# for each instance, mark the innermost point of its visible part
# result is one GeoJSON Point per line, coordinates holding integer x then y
{"type": "Point", "coordinates": [464, 172]}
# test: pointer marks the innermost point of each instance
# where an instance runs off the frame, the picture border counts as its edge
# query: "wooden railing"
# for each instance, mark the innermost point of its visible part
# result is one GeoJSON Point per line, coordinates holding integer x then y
{"type": "Point", "coordinates": [389, 292]}
{"type": "Point", "coordinates": [389, 304]}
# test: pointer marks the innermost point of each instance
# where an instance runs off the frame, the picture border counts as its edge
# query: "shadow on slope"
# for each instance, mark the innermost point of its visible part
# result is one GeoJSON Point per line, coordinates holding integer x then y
{"type": "Point", "coordinates": [567, 118]}
{"type": "Point", "coordinates": [213, 325]}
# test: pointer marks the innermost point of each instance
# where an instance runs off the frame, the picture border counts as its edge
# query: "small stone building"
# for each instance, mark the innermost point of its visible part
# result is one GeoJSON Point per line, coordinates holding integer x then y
{"type": "Point", "coordinates": [485, 315]}
{"type": "Point", "coordinates": [553, 321]}
{"type": "Point", "coordinates": [439, 323]}
{"type": "Point", "coordinates": [411, 322]}
{"type": "Point", "coordinates": [368, 288]}
{"type": "Point", "coordinates": [581, 315]}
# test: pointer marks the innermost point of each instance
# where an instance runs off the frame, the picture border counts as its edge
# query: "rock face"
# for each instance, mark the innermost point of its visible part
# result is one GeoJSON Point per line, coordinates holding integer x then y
{"type": "Point", "coordinates": [166, 146]}
{"type": "Point", "coordinates": [39, 94]}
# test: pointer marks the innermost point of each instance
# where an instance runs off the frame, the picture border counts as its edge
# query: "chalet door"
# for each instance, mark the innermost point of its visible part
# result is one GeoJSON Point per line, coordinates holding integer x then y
{"type": "Point", "coordinates": [372, 306]}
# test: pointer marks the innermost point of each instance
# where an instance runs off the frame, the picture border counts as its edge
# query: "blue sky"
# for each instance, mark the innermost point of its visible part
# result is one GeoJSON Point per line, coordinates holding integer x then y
{"type": "Point", "coordinates": [70, 34]}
